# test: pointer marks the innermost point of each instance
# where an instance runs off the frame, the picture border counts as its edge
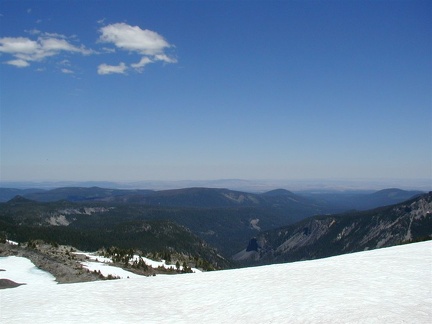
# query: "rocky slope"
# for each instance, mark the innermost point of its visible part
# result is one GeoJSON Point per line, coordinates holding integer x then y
{"type": "Point", "coordinates": [324, 236]}
{"type": "Point", "coordinates": [57, 260]}
{"type": "Point", "coordinates": [65, 263]}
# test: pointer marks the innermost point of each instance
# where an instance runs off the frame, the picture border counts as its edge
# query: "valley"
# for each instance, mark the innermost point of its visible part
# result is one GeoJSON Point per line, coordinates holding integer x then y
{"type": "Point", "coordinates": [215, 225]}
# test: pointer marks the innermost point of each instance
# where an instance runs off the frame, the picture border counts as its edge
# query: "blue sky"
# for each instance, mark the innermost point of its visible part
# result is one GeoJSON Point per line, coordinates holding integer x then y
{"type": "Point", "coordinates": [170, 90]}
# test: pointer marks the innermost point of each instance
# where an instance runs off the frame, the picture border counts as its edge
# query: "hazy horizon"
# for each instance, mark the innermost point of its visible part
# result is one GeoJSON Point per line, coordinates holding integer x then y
{"type": "Point", "coordinates": [253, 185]}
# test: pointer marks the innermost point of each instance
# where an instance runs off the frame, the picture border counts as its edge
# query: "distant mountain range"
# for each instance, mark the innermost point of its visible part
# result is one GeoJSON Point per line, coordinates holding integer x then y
{"type": "Point", "coordinates": [256, 186]}
{"type": "Point", "coordinates": [363, 200]}
{"type": "Point", "coordinates": [217, 197]}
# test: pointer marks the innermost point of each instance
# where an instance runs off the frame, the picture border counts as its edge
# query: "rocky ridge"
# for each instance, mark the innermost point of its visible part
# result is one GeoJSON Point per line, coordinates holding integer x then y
{"type": "Point", "coordinates": [323, 236]}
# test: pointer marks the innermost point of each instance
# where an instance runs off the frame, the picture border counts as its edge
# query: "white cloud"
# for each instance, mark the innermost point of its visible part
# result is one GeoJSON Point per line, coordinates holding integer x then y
{"type": "Point", "coordinates": [133, 38]}
{"type": "Point", "coordinates": [33, 31]}
{"type": "Point", "coordinates": [165, 58]}
{"type": "Point", "coordinates": [140, 65]}
{"type": "Point", "coordinates": [18, 63]}
{"type": "Point", "coordinates": [67, 71]}
{"type": "Point", "coordinates": [110, 69]}
{"type": "Point", "coordinates": [149, 44]}
{"type": "Point", "coordinates": [146, 47]}
{"type": "Point", "coordinates": [57, 45]}
{"type": "Point", "coordinates": [18, 45]}
{"type": "Point", "coordinates": [108, 50]}
{"type": "Point", "coordinates": [27, 50]}
{"type": "Point", "coordinates": [65, 63]}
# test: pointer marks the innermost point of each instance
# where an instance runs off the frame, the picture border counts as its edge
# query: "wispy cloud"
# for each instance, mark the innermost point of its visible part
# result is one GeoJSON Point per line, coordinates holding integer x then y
{"type": "Point", "coordinates": [33, 31]}
{"type": "Point", "coordinates": [18, 63]}
{"type": "Point", "coordinates": [110, 69]}
{"type": "Point", "coordinates": [148, 44]}
{"type": "Point", "coordinates": [140, 65]}
{"type": "Point", "coordinates": [67, 71]}
{"type": "Point", "coordinates": [26, 50]}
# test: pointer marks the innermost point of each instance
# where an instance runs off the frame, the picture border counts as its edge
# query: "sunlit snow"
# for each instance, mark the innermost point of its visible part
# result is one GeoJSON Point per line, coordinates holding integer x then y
{"type": "Point", "coordinates": [106, 270]}
{"type": "Point", "coordinates": [391, 285]}
{"type": "Point", "coordinates": [22, 270]}
{"type": "Point", "coordinates": [101, 263]}
{"type": "Point", "coordinates": [11, 242]}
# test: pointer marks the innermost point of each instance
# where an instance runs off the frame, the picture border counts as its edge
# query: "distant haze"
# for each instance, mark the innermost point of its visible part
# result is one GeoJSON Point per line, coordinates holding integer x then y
{"type": "Point", "coordinates": [238, 184]}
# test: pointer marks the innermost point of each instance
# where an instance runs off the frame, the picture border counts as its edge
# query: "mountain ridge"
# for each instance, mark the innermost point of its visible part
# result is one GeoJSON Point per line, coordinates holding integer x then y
{"type": "Point", "coordinates": [222, 218]}
{"type": "Point", "coordinates": [217, 197]}
{"type": "Point", "coordinates": [323, 236]}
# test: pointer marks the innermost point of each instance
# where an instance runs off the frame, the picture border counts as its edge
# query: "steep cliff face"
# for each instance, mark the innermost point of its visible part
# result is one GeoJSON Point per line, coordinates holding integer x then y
{"type": "Point", "coordinates": [323, 236]}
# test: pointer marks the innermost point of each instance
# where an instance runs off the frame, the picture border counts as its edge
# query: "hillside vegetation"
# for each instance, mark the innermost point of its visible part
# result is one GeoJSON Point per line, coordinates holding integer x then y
{"type": "Point", "coordinates": [204, 223]}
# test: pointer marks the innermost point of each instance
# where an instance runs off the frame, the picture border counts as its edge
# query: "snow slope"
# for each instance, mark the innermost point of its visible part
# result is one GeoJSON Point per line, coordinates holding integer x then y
{"type": "Point", "coordinates": [22, 270]}
{"type": "Point", "coordinates": [391, 285]}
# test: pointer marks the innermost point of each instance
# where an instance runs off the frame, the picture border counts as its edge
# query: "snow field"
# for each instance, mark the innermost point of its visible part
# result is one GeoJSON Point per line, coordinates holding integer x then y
{"type": "Point", "coordinates": [391, 285]}
{"type": "Point", "coordinates": [22, 270]}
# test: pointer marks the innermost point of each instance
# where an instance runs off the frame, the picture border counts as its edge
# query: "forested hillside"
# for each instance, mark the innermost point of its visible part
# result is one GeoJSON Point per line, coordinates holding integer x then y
{"type": "Point", "coordinates": [213, 224]}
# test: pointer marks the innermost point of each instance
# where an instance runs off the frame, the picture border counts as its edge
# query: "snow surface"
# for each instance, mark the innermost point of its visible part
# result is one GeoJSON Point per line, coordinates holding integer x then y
{"type": "Point", "coordinates": [391, 285]}
{"type": "Point", "coordinates": [22, 270]}
{"type": "Point", "coordinates": [11, 242]}
{"type": "Point", "coordinates": [106, 270]}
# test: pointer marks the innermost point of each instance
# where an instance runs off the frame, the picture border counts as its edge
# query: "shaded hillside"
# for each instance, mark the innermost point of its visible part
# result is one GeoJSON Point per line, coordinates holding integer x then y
{"type": "Point", "coordinates": [222, 218]}
{"type": "Point", "coordinates": [323, 236]}
{"type": "Point", "coordinates": [360, 200]}
{"type": "Point", "coordinates": [80, 194]}
{"type": "Point", "coordinates": [225, 228]}
{"type": "Point", "coordinates": [94, 226]}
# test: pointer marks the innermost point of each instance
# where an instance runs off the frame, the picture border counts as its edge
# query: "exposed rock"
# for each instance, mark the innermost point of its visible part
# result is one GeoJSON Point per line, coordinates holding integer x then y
{"type": "Point", "coordinates": [324, 236]}
{"type": "Point", "coordinates": [59, 261]}
{"type": "Point", "coordinates": [253, 245]}
{"type": "Point", "coordinates": [6, 283]}
{"type": "Point", "coordinates": [58, 221]}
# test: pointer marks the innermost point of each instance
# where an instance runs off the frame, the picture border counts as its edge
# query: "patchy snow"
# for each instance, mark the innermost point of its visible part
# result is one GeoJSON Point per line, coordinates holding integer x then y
{"type": "Point", "coordinates": [94, 257]}
{"type": "Point", "coordinates": [154, 264]}
{"type": "Point", "coordinates": [389, 285]}
{"type": "Point", "coordinates": [162, 263]}
{"type": "Point", "coordinates": [106, 270]}
{"type": "Point", "coordinates": [12, 242]}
